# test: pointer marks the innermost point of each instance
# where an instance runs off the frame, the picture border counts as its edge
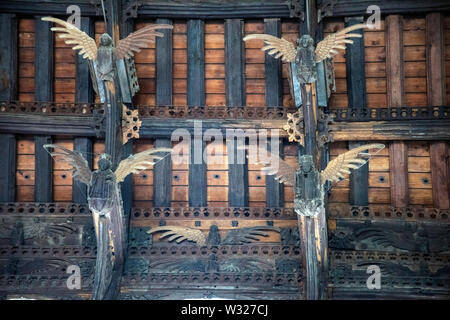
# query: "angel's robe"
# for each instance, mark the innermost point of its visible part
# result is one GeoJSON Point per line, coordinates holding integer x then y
{"type": "Point", "coordinates": [105, 60]}
{"type": "Point", "coordinates": [101, 191]}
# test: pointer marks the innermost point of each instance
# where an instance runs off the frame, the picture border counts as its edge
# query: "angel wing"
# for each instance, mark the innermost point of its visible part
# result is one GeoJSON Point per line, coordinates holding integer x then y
{"type": "Point", "coordinates": [278, 46]}
{"type": "Point", "coordinates": [138, 40]}
{"type": "Point", "coordinates": [274, 165]}
{"type": "Point", "coordinates": [327, 47]}
{"type": "Point", "coordinates": [140, 161]}
{"type": "Point", "coordinates": [75, 37]}
{"type": "Point", "coordinates": [247, 235]}
{"type": "Point", "coordinates": [352, 159]}
{"type": "Point", "coordinates": [79, 164]}
{"type": "Point", "coordinates": [180, 234]}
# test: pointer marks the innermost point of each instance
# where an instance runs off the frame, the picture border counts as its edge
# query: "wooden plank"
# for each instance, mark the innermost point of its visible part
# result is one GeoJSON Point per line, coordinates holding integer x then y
{"type": "Point", "coordinates": [196, 63]}
{"type": "Point", "coordinates": [7, 167]}
{"type": "Point", "coordinates": [398, 151]}
{"type": "Point", "coordinates": [274, 189]}
{"type": "Point", "coordinates": [398, 156]}
{"type": "Point", "coordinates": [162, 190]}
{"type": "Point", "coordinates": [197, 174]}
{"type": "Point", "coordinates": [273, 76]}
{"type": "Point", "coordinates": [356, 91]}
{"type": "Point", "coordinates": [85, 147]}
{"type": "Point", "coordinates": [439, 175]}
{"type": "Point", "coordinates": [43, 59]}
{"type": "Point", "coordinates": [43, 186]}
{"type": "Point", "coordinates": [234, 63]}
{"type": "Point", "coordinates": [8, 57]}
{"type": "Point", "coordinates": [164, 65]}
{"type": "Point", "coordinates": [83, 86]}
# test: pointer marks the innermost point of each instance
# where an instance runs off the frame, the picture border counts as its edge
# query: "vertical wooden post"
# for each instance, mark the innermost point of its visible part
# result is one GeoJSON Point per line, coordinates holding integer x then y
{"type": "Point", "coordinates": [162, 177]}
{"type": "Point", "coordinates": [8, 168]}
{"type": "Point", "coordinates": [43, 79]}
{"type": "Point", "coordinates": [398, 150]}
{"type": "Point", "coordinates": [164, 65]}
{"type": "Point", "coordinates": [8, 92]}
{"type": "Point", "coordinates": [356, 88]}
{"type": "Point", "coordinates": [162, 189]}
{"type": "Point", "coordinates": [8, 57]}
{"type": "Point", "coordinates": [234, 63]}
{"type": "Point", "coordinates": [435, 52]}
{"type": "Point", "coordinates": [274, 98]}
{"type": "Point", "coordinates": [235, 97]}
{"type": "Point", "coordinates": [196, 97]}
{"type": "Point", "coordinates": [313, 230]}
{"type": "Point", "coordinates": [84, 93]}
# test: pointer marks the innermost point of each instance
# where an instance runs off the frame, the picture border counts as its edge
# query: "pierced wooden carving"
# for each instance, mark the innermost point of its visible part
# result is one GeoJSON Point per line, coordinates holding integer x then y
{"type": "Point", "coordinates": [294, 126]}
{"type": "Point", "coordinates": [130, 124]}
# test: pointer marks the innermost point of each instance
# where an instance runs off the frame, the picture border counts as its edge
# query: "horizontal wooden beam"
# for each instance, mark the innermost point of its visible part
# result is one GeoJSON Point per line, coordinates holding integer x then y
{"type": "Point", "coordinates": [163, 127]}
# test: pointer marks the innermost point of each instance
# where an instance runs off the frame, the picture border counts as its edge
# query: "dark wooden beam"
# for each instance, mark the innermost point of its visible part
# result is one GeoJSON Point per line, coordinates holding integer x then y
{"type": "Point", "coordinates": [8, 168]}
{"type": "Point", "coordinates": [43, 75]}
{"type": "Point", "coordinates": [86, 147]}
{"type": "Point", "coordinates": [84, 92]}
{"type": "Point", "coordinates": [8, 57]}
{"type": "Point", "coordinates": [43, 180]}
{"type": "Point", "coordinates": [196, 97]}
{"type": "Point", "coordinates": [164, 65]}
{"type": "Point", "coordinates": [234, 63]}
{"type": "Point", "coordinates": [48, 7]}
{"type": "Point", "coordinates": [357, 99]}
{"type": "Point", "coordinates": [162, 176]}
{"type": "Point", "coordinates": [398, 150]}
{"type": "Point", "coordinates": [273, 68]}
{"type": "Point", "coordinates": [235, 96]}
{"type": "Point", "coordinates": [274, 98]}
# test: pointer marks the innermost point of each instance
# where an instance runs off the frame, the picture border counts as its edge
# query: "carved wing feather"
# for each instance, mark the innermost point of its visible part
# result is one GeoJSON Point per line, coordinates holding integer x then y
{"type": "Point", "coordinates": [326, 47]}
{"type": "Point", "coordinates": [140, 161]}
{"type": "Point", "coordinates": [79, 164]}
{"type": "Point", "coordinates": [138, 40]}
{"type": "Point", "coordinates": [279, 47]}
{"type": "Point", "coordinates": [247, 235]}
{"type": "Point", "coordinates": [78, 39]}
{"type": "Point", "coordinates": [179, 234]}
{"type": "Point", "coordinates": [274, 165]}
{"type": "Point", "coordinates": [352, 159]}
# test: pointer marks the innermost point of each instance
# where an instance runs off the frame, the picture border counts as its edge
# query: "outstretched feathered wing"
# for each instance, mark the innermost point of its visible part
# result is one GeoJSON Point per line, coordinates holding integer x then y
{"type": "Point", "coordinates": [327, 47]}
{"type": "Point", "coordinates": [138, 162]}
{"type": "Point", "coordinates": [278, 46]}
{"type": "Point", "coordinates": [139, 40]}
{"type": "Point", "coordinates": [180, 234]}
{"type": "Point", "coordinates": [75, 37]}
{"type": "Point", "coordinates": [247, 235]}
{"type": "Point", "coordinates": [79, 164]}
{"type": "Point", "coordinates": [352, 159]}
{"type": "Point", "coordinates": [274, 165]}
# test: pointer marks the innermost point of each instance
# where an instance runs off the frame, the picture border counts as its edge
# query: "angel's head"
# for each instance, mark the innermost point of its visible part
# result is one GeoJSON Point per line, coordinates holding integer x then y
{"type": "Point", "coordinates": [305, 41]}
{"type": "Point", "coordinates": [306, 163]}
{"type": "Point", "coordinates": [105, 40]}
{"type": "Point", "coordinates": [104, 163]}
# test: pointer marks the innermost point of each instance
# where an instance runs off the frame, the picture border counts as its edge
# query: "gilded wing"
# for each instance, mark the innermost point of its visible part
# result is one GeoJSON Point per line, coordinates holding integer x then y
{"type": "Point", "coordinates": [279, 46]}
{"type": "Point", "coordinates": [274, 165]}
{"type": "Point", "coordinates": [75, 37]}
{"type": "Point", "coordinates": [140, 161]}
{"type": "Point", "coordinates": [180, 234]}
{"type": "Point", "coordinates": [79, 164]}
{"type": "Point", "coordinates": [138, 40]}
{"type": "Point", "coordinates": [327, 47]}
{"type": "Point", "coordinates": [352, 159]}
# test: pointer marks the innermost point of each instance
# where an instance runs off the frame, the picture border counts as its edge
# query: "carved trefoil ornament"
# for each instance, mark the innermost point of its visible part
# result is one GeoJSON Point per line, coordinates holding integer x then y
{"type": "Point", "coordinates": [130, 124]}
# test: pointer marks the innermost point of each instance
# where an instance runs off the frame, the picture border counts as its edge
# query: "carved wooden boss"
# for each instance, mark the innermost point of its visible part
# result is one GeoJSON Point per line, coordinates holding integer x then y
{"type": "Point", "coordinates": [104, 195]}
{"type": "Point", "coordinates": [306, 179]}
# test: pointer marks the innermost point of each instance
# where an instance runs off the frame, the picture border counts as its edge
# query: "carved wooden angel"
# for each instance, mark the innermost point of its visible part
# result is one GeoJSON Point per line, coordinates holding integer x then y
{"type": "Point", "coordinates": [105, 54]}
{"type": "Point", "coordinates": [308, 182]}
{"type": "Point", "coordinates": [305, 55]}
